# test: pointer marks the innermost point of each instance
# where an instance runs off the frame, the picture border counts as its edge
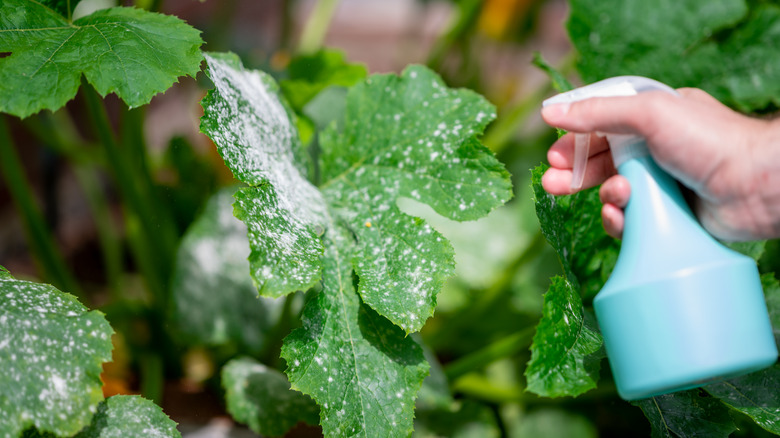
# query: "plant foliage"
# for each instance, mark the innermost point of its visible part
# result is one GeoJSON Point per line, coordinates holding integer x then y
{"type": "Point", "coordinates": [380, 269]}
{"type": "Point", "coordinates": [130, 52]}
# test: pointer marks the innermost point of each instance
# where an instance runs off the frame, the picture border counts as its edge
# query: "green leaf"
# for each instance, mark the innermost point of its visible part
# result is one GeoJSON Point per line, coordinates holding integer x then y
{"type": "Point", "coordinates": [129, 415]}
{"type": "Point", "coordinates": [772, 297]}
{"type": "Point", "coordinates": [566, 350]}
{"type": "Point", "coordinates": [755, 395]}
{"type": "Point", "coordinates": [213, 257]}
{"type": "Point", "coordinates": [254, 134]}
{"type": "Point", "coordinates": [133, 53]}
{"type": "Point", "coordinates": [51, 350]}
{"type": "Point", "coordinates": [754, 249]}
{"type": "Point", "coordinates": [724, 48]}
{"type": "Point", "coordinates": [686, 414]}
{"type": "Point", "coordinates": [559, 81]}
{"type": "Point", "coordinates": [361, 369]}
{"type": "Point", "coordinates": [310, 74]}
{"type": "Point", "coordinates": [408, 136]}
{"type": "Point", "coordinates": [261, 398]}
{"type": "Point", "coordinates": [567, 347]}
{"type": "Point", "coordinates": [572, 225]}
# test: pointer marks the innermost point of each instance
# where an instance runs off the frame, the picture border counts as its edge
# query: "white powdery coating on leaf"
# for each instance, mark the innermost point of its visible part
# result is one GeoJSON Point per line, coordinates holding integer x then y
{"type": "Point", "coordinates": [51, 350]}
{"type": "Point", "coordinates": [130, 416]}
{"type": "Point", "coordinates": [258, 141]}
{"type": "Point", "coordinates": [257, 137]}
{"type": "Point", "coordinates": [426, 152]}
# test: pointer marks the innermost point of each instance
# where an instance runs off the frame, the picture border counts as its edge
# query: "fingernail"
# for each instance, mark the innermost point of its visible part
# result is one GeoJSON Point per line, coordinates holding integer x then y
{"type": "Point", "coordinates": [556, 111]}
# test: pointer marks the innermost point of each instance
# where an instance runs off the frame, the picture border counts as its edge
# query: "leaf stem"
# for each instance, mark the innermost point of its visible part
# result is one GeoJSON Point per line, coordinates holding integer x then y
{"type": "Point", "coordinates": [152, 245]}
{"type": "Point", "coordinates": [317, 26]}
{"type": "Point", "coordinates": [499, 133]}
{"type": "Point", "coordinates": [465, 21]}
{"type": "Point", "coordinates": [500, 349]}
{"type": "Point", "coordinates": [41, 240]}
{"type": "Point", "coordinates": [57, 132]}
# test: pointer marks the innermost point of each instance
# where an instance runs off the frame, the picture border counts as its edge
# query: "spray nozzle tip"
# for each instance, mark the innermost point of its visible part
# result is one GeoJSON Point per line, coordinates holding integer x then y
{"type": "Point", "coordinates": [581, 151]}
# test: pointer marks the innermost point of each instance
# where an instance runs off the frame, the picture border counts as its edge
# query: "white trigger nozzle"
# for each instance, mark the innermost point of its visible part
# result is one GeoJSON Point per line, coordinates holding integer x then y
{"type": "Point", "coordinates": [581, 151]}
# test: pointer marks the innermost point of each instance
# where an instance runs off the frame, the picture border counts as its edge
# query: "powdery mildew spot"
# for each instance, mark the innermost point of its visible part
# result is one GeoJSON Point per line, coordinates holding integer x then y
{"type": "Point", "coordinates": [51, 351]}
{"type": "Point", "coordinates": [256, 138]}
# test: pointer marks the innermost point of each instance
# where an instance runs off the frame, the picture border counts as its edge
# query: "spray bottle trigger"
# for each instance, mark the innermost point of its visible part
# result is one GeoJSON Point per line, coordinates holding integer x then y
{"type": "Point", "coordinates": [581, 151]}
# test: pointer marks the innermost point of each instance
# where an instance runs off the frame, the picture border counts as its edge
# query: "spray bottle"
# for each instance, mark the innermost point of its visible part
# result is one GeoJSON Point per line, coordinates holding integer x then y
{"type": "Point", "coordinates": [679, 310]}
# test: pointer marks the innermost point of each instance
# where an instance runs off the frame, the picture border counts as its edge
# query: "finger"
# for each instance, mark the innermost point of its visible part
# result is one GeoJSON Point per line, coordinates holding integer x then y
{"type": "Point", "coordinates": [613, 219]}
{"type": "Point", "coordinates": [698, 95]}
{"type": "Point", "coordinates": [557, 181]}
{"type": "Point", "coordinates": [561, 153]}
{"type": "Point", "coordinates": [640, 114]}
{"type": "Point", "coordinates": [616, 190]}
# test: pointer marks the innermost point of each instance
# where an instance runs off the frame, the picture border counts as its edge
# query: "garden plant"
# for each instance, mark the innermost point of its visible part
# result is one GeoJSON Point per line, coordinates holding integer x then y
{"type": "Point", "coordinates": [310, 269]}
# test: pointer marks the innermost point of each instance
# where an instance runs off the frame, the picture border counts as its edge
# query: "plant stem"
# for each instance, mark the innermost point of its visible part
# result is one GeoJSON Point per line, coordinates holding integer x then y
{"type": "Point", "coordinates": [152, 377]}
{"type": "Point", "coordinates": [41, 240]}
{"type": "Point", "coordinates": [467, 18]}
{"type": "Point", "coordinates": [498, 135]}
{"type": "Point", "coordinates": [500, 349]}
{"type": "Point", "coordinates": [108, 235]}
{"type": "Point", "coordinates": [317, 26]}
{"type": "Point", "coordinates": [58, 133]}
{"type": "Point", "coordinates": [152, 245]}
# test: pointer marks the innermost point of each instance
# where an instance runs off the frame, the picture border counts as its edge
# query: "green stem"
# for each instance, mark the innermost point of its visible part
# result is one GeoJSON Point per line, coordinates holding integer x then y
{"type": "Point", "coordinates": [152, 246]}
{"type": "Point", "coordinates": [58, 132]}
{"type": "Point", "coordinates": [152, 377]}
{"type": "Point", "coordinates": [41, 240]}
{"type": "Point", "coordinates": [108, 234]}
{"type": "Point", "coordinates": [317, 26]}
{"type": "Point", "coordinates": [481, 309]}
{"type": "Point", "coordinates": [466, 20]}
{"type": "Point", "coordinates": [500, 349]}
{"type": "Point", "coordinates": [506, 126]}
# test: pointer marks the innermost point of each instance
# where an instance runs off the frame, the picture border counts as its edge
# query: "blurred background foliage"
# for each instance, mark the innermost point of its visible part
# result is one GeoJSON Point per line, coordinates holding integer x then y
{"type": "Point", "coordinates": [177, 323]}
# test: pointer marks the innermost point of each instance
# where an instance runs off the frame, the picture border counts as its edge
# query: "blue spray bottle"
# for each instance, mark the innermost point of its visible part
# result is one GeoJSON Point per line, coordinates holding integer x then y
{"type": "Point", "coordinates": [679, 310]}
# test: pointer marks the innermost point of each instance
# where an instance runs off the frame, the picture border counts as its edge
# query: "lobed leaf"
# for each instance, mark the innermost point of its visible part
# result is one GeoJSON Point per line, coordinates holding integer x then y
{"type": "Point", "coordinates": [215, 301]}
{"type": "Point", "coordinates": [131, 52]}
{"type": "Point", "coordinates": [686, 414]}
{"type": "Point", "coordinates": [755, 395]}
{"type": "Point", "coordinates": [408, 136]}
{"type": "Point", "coordinates": [311, 73]}
{"type": "Point", "coordinates": [51, 351]}
{"type": "Point", "coordinates": [129, 415]}
{"type": "Point", "coordinates": [567, 348]}
{"type": "Point", "coordinates": [261, 398]}
{"type": "Point", "coordinates": [254, 134]}
{"type": "Point", "coordinates": [361, 369]}
{"type": "Point", "coordinates": [723, 47]}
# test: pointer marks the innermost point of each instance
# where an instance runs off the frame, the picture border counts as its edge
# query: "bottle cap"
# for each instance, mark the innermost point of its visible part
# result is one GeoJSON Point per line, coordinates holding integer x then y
{"type": "Point", "coordinates": [623, 146]}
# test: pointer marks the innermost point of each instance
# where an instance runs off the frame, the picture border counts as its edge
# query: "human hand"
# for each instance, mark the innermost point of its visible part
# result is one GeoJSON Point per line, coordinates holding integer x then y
{"type": "Point", "coordinates": [730, 161]}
